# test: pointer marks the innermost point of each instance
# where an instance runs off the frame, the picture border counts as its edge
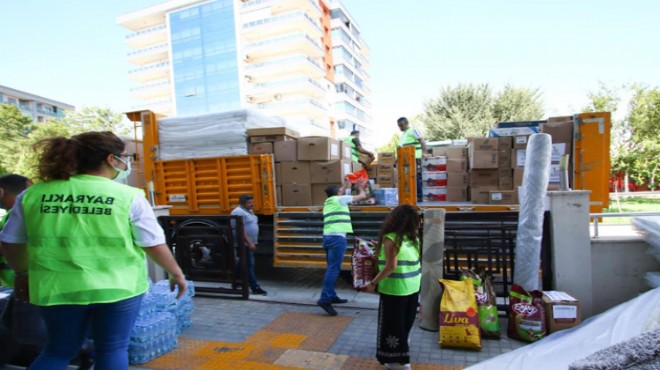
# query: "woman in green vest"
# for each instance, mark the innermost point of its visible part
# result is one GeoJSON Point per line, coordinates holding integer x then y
{"type": "Point", "coordinates": [77, 242]}
{"type": "Point", "coordinates": [398, 282]}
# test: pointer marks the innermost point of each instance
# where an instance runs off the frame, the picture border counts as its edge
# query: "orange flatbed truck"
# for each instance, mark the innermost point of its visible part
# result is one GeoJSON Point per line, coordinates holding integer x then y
{"type": "Point", "coordinates": [212, 186]}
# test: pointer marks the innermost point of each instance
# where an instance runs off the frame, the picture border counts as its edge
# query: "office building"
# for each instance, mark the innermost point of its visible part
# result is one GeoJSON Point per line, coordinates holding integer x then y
{"type": "Point", "coordinates": [40, 109]}
{"type": "Point", "coordinates": [302, 60]}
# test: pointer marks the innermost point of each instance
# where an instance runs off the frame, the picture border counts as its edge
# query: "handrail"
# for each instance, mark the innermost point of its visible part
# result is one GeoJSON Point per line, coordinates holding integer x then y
{"type": "Point", "coordinates": [596, 216]}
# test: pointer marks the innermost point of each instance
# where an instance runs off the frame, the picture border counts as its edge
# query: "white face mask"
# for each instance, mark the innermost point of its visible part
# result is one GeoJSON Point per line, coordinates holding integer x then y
{"type": "Point", "coordinates": [122, 174]}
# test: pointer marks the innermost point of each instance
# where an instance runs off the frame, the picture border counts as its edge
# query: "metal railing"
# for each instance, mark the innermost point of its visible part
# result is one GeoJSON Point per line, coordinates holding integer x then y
{"type": "Point", "coordinates": [596, 216]}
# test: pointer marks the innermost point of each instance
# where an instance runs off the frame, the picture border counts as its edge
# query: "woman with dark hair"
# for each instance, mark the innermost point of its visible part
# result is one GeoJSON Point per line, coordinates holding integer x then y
{"type": "Point", "coordinates": [398, 282]}
{"type": "Point", "coordinates": [77, 242]}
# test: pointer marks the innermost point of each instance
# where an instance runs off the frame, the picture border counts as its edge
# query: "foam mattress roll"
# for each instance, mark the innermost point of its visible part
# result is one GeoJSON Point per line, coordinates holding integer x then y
{"type": "Point", "coordinates": [432, 258]}
{"type": "Point", "coordinates": [532, 207]}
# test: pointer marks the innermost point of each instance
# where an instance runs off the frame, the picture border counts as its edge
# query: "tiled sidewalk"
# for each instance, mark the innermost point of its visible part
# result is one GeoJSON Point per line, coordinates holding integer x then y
{"type": "Point", "coordinates": [278, 331]}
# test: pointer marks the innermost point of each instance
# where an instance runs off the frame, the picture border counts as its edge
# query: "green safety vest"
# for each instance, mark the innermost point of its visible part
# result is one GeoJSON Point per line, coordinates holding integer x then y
{"type": "Point", "coordinates": [336, 218]}
{"type": "Point", "coordinates": [80, 243]}
{"type": "Point", "coordinates": [355, 154]}
{"type": "Point", "coordinates": [6, 273]}
{"type": "Point", "coordinates": [408, 138]}
{"type": "Point", "coordinates": [407, 276]}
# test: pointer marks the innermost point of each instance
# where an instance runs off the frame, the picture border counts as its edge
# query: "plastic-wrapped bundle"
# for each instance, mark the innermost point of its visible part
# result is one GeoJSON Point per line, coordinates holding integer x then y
{"type": "Point", "coordinates": [181, 308]}
{"type": "Point", "coordinates": [210, 135]}
{"type": "Point", "coordinates": [649, 228]}
{"type": "Point", "coordinates": [530, 217]}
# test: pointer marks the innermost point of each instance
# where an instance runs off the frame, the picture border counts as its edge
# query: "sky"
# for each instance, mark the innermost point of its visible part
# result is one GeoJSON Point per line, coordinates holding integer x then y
{"type": "Point", "coordinates": [74, 51]}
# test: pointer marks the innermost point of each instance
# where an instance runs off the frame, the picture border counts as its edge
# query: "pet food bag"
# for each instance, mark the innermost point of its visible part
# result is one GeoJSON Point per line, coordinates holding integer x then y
{"type": "Point", "coordinates": [459, 322]}
{"type": "Point", "coordinates": [363, 262]}
{"type": "Point", "coordinates": [484, 293]}
{"type": "Point", "coordinates": [526, 315]}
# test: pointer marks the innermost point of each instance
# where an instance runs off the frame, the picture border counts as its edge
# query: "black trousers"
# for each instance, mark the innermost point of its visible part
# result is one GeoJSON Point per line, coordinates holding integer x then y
{"type": "Point", "coordinates": [396, 316]}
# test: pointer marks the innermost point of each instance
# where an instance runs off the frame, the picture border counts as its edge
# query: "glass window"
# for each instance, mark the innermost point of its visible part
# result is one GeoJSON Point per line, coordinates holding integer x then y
{"type": "Point", "coordinates": [204, 58]}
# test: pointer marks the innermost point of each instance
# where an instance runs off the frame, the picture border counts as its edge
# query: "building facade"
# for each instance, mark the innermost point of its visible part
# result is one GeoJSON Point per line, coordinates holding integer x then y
{"type": "Point", "coordinates": [302, 60]}
{"type": "Point", "coordinates": [40, 109]}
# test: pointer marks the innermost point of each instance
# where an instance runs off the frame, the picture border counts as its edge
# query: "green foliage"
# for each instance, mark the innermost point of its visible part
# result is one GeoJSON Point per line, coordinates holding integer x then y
{"type": "Point", "coordinates": [14, 131]}
{"type": "Point", "coordinates": [18, 134]}
{"type": "Point", "coordinates": [470, 110]}
{"type": "Point", "coordinates": [635, 148]}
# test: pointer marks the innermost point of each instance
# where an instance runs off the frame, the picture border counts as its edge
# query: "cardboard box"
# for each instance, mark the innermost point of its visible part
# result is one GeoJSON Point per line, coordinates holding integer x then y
{"type": "Point", "coordinates": [560, 129]}
{"type": "Point", "coordinates": [483, 160]}
{"type": "Point", "coordinates": [518, 157]}
{"type": "Point", "coordinates": [318, 194]}
{"type": "Point", "coordinates": [505, 143]}
{"type": "Point", "coordinates": [439, 151]}
{"type": "Point", "coordinates": [457, 152]}
{"type": "Point", "coordinates": [479, 195]}
{"type": "Point", "coordinates": [295, 173]}
{"type": "Point", "coordinates": [518, 176]}
{"type": "Point", "coordinates": [520, 141]}
{"type": "Point", "coordinates": [286, 151]}
{"type": "Point", "coordinates": [433, 179]}
{"type": "Point", "coordinates": [502, 197]}
{"type": "Point", "coordinates": [372, 171]}
{"type": "Point", "coordinates": [278, 174]}
{"type": "Point", "coordinates": [346, 150]}
{"type": "Point", "coordinates": [434, 194]}
{"type": "Point", "coordinates": [558, 150]}
{"type": "Point", "coordinates": [272, 131]}
{"type": "Point", "coordinates": [434, 164]}
{"type": "Point", "coordinates": [365, 159]}
{"type": "Point", "coordinates": [330, 172]}
{"type": "Point", "coordinates": [483, 144]}
{"type": "Point", "coordinates": [356, 166]}
{"type": "Point", "coordinates": [261, 148]}
{"type": "Point", "coordinates": [457, 165]}
{"type": "Point", "coordinates": [317, 148]}
{"type": "Point", "coordinates": [386, 157]}
{"type": "Point", "coordinates": [458, 179]}
{"type": "Point", "coordinates": [457, 194]}
{"type": "Point", "coordinates": [504, 158]}
{"type": "Point", "coordinates": [562, 311]}
{"type": "Point", "coordinates": [270, 138]}
{"type": "Point", "coordinates": [480, 178]}
{"type": "Point", "coordinates": [386, 181]}
{"type": "Point", "coordinates": [278, 195]}
{"type": "Point", "coordinates": [296, 194]}
{"type": "Point", "coordinates": [385, 169]}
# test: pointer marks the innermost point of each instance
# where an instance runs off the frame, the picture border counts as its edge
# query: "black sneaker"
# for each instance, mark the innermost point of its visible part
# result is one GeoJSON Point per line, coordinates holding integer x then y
{"type": "Point", "coordinates": [327, 307]}
{"type": "Point", "coordinates": [338, 300]}
{"type": "Point", "coordinates": [258, 291]}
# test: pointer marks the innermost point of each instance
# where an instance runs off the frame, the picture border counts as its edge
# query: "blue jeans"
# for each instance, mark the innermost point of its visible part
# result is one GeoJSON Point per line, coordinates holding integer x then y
{"type": "Point", "coordinates": [68, 326]}
{"type": "Point", "coordinates": [252, 277]}
{"type": "Point", "coordinates": [335, 248]}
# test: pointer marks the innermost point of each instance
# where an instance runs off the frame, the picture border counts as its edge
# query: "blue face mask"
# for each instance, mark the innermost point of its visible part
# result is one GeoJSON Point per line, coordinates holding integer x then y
{"type": "Point", "coordinates": [122, 174]}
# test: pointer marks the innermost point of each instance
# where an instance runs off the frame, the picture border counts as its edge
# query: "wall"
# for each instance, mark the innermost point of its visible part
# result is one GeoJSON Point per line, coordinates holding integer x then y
{"type": "Point", "coordinates": [618, 268]}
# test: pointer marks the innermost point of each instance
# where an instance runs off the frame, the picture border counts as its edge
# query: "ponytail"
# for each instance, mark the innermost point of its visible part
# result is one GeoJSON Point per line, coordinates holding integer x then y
{"type": "Point", "coordinates": [57, 158]}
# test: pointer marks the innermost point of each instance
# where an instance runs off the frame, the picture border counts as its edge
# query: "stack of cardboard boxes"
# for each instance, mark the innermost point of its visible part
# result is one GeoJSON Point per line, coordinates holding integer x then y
{"type": "Point", "coordinates": [304, 166]}
{"type": "Point", "coordinates": [455, 176]}
{"type": "Point", "coordinates": [385, 173]}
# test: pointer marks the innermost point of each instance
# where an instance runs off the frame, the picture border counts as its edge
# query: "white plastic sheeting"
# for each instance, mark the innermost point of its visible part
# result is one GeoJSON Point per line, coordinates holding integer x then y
{"type": "Point", "coordinates": [649, 228]}
{"type": "Point", "coordinates": [530, 217]}
{"type": "Point", "coordinates": [210, 135]}
{"type": "Point", "coordinates": [562, 348]}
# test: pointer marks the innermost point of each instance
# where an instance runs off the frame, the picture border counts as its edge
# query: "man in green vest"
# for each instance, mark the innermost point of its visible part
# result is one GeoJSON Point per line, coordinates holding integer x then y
{"type": "Point", "coordinates": [413, 137]}
{"type": "Point", "coordinates": [10, 187]}
{"type": "Point", "coordinates": [356, 147]}
{"type": "Point", "coordinates": [336, 224]}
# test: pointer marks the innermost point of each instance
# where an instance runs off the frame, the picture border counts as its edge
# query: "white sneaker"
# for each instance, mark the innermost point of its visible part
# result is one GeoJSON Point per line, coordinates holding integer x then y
{"type": "Point", "coordinates": [395, 366]}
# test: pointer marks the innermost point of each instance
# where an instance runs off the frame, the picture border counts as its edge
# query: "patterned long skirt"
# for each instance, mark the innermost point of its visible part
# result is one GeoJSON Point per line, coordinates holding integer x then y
{"type": "Point", "coordinates": [396, 316]}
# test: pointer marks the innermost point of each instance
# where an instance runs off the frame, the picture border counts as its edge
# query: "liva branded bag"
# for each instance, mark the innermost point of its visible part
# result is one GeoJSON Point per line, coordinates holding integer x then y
{"type": "Point", "coordinates": [459, 322]}
{"type": "Point", "coordinates": [526, 315]}
{"type": "Point", "coordinates": [363, 262]}
{"type": "Point", "coordinates": [484, 293]}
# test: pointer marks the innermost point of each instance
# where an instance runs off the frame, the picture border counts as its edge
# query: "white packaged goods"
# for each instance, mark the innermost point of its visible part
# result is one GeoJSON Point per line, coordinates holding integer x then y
{"type": "Point", "coordinates": [210, 135]}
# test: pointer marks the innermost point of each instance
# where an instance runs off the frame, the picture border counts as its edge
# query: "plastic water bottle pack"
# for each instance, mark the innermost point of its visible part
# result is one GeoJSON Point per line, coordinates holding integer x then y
{"type": "Point", "coordinates": [160, 321]}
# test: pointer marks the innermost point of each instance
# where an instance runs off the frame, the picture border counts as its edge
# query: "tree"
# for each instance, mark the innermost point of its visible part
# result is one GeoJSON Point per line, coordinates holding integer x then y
{"type": "Point", "coordinates": [635, 148]}
{"type": "Point", "coordinates": [469, 111]}
{"type": "Point", "coordinates": [95, 119]}
{"type": "Point", "coordinates": [517, 104]}
{"type": "Point", "coordinates": [14, 130]}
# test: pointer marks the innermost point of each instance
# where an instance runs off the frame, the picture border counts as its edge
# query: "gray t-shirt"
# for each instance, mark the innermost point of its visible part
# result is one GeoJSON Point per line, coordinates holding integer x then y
{"type": "Point", "coordinates": [250, 223]}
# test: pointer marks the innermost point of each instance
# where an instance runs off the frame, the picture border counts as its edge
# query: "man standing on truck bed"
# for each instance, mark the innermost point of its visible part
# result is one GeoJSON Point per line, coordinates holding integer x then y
{"type": "Point", "coordinates": [336, 224]}
{"type": "Point", "coordinates": [409, 137]}
{"type": "Point", "coordinates": [356, 147]}
{"type": "Point", "coordinates": [251, 234]}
